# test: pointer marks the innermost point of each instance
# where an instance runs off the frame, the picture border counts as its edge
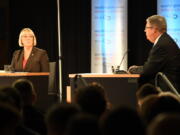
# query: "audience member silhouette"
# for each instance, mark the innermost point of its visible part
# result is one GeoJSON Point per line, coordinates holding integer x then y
{"type": "Point", "coordinates": [58, 115]}
{"type": "Point", "coordinates": [165, 124]}
{"type": "Point", "coordinates": [14, 99]}
{"type": "Point", "coordinates": [92, 99]}
{"type": "Point", "coordinates": [10, 117]}
{"type": "Point", "coordinates": [83, 124]}
{"type": "Point", "coordinates": [153, 105]}
{"type": "Point", "coordinates": [32, 117]}
{"type": "Point", "coordinates": [122, 120]}
{"type": "Point", "coordinates": [144, 91]}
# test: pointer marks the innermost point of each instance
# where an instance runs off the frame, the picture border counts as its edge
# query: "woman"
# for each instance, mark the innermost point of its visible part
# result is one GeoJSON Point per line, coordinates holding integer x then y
{"type": "Point", "coordinates": [30, 58]}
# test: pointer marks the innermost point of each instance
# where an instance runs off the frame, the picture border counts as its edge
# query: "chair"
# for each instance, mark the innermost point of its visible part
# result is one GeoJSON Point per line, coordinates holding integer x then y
{"type": "Point", "coordinates": [166, 81]}
{"type": "Point", "coordinates": [53, 90]}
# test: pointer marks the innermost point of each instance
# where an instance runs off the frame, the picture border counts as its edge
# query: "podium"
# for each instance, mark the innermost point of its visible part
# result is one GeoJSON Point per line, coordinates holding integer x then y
{"type": "Point", "coordinates": [40, 81]}
{"type": "Point", "coordinates": [120, 88]}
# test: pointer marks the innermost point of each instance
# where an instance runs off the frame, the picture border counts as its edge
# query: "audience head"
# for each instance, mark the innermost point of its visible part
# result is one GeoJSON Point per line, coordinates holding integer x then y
{"type": "Point", "coordinates": [83, 124]}
{"type": "Point", "coordinates": [165, 124]}
{"type": "Point", "coordinates": [144, 91]}
{"type": "Point", "coordinates": [10, 118]}
{"type": "Point", "coordinates": [92, 99]}
{"type": "Point", "coordinates": [10, 110]}
{"type": "Point", "coordinates": [11, 96]}
{"type": "Point", "coordinates": [26, 90]}
{"type": "Point", "coordinates": [122, 120]}
{"type": "Point", "coordinates": [58, 116]}
{"type": "Point", "coordinates": [164, 102]}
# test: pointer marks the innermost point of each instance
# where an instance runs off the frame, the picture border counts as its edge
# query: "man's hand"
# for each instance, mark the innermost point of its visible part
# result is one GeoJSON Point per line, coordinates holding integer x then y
{"type": "Point", "coordinates": [135, 69]}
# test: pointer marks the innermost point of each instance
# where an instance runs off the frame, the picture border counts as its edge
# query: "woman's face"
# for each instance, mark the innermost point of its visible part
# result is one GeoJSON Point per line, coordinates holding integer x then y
{"type": "Point", "coordinates": [27, 39]}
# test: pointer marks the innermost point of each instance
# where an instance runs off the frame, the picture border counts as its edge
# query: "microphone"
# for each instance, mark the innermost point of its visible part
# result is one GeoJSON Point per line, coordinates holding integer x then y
{"type": "Point", "coordinates": [117, 70]}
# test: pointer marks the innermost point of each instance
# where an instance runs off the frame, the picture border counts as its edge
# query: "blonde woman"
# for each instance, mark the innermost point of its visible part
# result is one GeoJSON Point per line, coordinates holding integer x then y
{"type": "Point", "coordinates": [29, 58]}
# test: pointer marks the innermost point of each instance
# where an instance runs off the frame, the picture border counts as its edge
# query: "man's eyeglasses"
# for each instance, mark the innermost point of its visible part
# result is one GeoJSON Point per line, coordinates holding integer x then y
{"type": "Point", "coordinates": [150, 27]}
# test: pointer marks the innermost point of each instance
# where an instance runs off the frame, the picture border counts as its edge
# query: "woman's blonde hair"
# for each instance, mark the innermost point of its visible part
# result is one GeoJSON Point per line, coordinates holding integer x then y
{"type": "Point", "coordinates": [22, 32]}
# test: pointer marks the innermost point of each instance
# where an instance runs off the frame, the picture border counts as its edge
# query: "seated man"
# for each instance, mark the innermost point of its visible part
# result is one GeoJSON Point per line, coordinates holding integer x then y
{"type": "Point", "coordinates": [164, 56]}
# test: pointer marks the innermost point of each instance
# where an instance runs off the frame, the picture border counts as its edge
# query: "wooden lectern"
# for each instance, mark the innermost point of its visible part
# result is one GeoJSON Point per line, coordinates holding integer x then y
{"type": "Point", "coordinates": [40, 81]}
{"type": "Point", "coordinates": [120, 88]}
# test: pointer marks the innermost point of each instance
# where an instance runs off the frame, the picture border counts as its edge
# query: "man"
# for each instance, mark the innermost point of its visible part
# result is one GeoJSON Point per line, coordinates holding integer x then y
{"type": "Point", "coordinates": [164, 56]}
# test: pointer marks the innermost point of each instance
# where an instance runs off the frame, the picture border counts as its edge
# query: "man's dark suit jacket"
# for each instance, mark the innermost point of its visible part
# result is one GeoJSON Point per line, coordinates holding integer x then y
{"type": "Point", "coordinates": [164, 57]}
{"type": "Point", "coordinates": [38, 61]}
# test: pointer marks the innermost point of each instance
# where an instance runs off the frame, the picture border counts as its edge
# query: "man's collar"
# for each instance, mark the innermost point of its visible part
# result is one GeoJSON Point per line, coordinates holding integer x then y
{"type": "Point", "coordinates": [157, 39]}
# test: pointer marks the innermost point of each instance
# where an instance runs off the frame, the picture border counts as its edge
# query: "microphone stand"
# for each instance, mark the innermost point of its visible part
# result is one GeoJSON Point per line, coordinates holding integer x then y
{"type": "Point", "coordinates": [117, 70]}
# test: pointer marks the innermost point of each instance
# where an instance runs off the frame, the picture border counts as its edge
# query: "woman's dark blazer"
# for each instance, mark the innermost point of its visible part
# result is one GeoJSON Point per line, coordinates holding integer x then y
{"type": "Point", "coordinates": [38, 61]}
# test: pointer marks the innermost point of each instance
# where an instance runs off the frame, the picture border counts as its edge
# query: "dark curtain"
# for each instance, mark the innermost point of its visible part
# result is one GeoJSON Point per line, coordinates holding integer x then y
{"type": "Point", "coordinates": [75, 17]}
{"type": "Point", "coordinates": [76, 37]}
{"type": "Point", "coordinates": [138, 11]}
{"type": "Point", "coordinates": [4, 31]}
{"type": "Point", "coordinates": [41, 17]}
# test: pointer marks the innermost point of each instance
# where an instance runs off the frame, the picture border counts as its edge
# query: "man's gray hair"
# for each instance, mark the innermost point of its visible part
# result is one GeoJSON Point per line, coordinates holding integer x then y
{"type": "Point", "coordinates": [158, 21]}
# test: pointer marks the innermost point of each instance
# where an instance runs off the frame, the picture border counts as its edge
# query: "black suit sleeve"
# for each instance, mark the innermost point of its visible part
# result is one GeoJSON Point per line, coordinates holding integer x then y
{"type": "Point", "coordinates": [14, 60]}
{"type": "Point", "coordinates": [156, 61]}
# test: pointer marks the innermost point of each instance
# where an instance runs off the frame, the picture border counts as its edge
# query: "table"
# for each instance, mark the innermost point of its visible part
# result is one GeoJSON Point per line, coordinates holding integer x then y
{"type": "Point", "coordinates": [120, 88]}
{"type": "Point", "coordinates": [40, 81]}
